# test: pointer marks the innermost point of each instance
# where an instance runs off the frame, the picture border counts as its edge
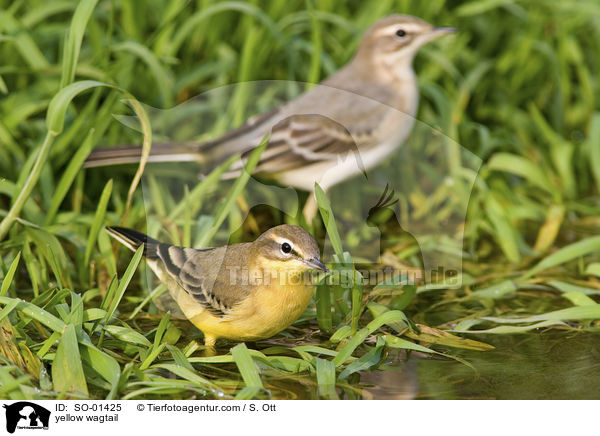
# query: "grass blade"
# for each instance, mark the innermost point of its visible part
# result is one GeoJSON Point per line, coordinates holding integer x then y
{"type": "Point", "coordinates": [55, 117]}
{"type": "Point", "coordinates": [329, 221]}
{"type": "Point", "coordinates": [323, 303]}
{"type": "Point", "coordinates": [357, 297]}
{"type": "Point", "coordinates": [73, 43]}
{"type": "Point", "coordinates": [53, 252]}
{"type": "Point", "coordinates": [69, 175]}
{"type": "Point", "coordinates": [33, 311]}
{"type": "Point", "coordinates": [128, 335]}
{"type": "Point", "coordinates": [163, 80]}
{"type": "Point", "coordinates": [8, 309]}
{"type": "Point", "coordinates": [566, 254]}
{"type": "Point", "coordinates": [522, 167]}
{"type": "Point", "coordinates": [106, 366]}
{"type": "Point", "coordinates": [360, 336]}
{"type": "Point", "coordinates": [8, 278]}
{"type": "Point", "coordinates": [594, 147]}
{"type": "Point", "coordinates": [365, 362]}
{"type": "Point", "coordinates": [568, 314]}
{"type": "Point", "coordinates": [235, 191]}
{"type": "Point", "coordinates": [67, 372]}
{"type": "Point", "coordinates": [97, 222]}
{"type": "Point", "coordinates": [326, 378]}
{"type": "Point", "coordinates": [187, 374]}
{"type": "Point", "coordinates": [112, 301]}
{"type": "Point", "coordinates": [246, 366]}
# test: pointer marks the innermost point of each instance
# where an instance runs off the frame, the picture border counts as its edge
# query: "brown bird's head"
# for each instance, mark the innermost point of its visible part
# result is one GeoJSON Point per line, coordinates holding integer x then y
{"type": "Point", "coordinates": [395, 40]}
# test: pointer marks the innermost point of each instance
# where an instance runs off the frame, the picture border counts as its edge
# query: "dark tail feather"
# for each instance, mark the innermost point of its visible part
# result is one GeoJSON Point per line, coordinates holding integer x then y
{"type": "Point", "coordinates": [132, 239]}
{"type": "Point", "coordinates": [160, 152]}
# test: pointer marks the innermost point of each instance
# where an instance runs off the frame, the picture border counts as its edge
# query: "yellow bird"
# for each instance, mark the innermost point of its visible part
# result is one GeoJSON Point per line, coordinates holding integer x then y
{"type": "Point", "coordinates": [243, 291]}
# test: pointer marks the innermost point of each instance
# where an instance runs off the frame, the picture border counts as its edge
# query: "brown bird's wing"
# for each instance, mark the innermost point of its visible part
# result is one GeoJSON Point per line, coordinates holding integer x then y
{"type": "Point", "coordinates": [301, 140]}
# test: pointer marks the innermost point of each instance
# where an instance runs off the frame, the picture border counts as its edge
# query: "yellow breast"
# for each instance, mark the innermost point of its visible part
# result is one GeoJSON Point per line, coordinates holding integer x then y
{"type": "Point", "coordinates": [266, 312]}
{"type": "Point", "coordinates": [269, 309]}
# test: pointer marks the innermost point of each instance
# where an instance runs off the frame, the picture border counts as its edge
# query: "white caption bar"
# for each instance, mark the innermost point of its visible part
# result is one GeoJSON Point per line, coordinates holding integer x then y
{"type": "Point", "coordinates": [90, 418]}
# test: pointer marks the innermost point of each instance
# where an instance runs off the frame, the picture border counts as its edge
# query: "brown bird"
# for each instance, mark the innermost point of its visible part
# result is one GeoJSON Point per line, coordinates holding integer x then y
{"type": "Point", "coordinates": [348, 123]}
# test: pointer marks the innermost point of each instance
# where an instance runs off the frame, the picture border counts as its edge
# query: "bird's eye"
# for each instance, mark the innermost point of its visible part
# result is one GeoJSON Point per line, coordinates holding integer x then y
{"type": "Point", "coordinates": [401, 33]}
{"type": "Point", "coordinates": [286, 248]}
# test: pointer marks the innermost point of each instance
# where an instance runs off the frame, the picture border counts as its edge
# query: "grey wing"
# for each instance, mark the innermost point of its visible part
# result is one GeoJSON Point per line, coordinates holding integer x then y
{"type": "Point", "coordinates": [198, 273]}
{"type": "Point", "coordinates": [306, 139]}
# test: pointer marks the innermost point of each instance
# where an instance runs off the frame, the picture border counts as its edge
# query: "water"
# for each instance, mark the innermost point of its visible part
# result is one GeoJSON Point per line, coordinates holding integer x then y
{"type": "Point", "coordinates": [550, 365]}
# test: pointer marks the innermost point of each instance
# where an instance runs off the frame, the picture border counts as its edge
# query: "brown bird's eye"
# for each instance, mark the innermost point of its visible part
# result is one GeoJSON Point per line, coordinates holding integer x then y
{"type": "Point", "coordinates": [400, 33]}
{"type": "Point", "coordinates": [286, 248]}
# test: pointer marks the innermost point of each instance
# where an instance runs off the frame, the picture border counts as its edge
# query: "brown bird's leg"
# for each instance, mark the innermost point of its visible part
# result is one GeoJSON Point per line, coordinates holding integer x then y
{"type": "Point", "coordinates": [311, 208]}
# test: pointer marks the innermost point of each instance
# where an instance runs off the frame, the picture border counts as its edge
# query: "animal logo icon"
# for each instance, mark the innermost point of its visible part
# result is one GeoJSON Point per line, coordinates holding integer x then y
{"type": "Point", "coordinates": [24, 414]}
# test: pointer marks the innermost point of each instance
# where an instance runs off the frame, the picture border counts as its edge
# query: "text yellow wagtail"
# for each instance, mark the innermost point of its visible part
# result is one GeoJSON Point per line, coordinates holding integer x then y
{"type": "Point", "coordinates": [368, 106]}
{"type": "Point", "coordinates": [241, 292]}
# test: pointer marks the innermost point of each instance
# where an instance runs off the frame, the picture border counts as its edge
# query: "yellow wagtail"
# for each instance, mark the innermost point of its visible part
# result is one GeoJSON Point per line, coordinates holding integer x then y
{"type": "Point", "coordinates": [368, 106]}
{"type": "Point", "coordinates": [243, 291]}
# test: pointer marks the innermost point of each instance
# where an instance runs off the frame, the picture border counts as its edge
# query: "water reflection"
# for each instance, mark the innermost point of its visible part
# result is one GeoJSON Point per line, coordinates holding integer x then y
{"type": "Point", "coordinates": [550, 365]}
{"type": "Point", "coordinates": [544, 365]}
{"type": "Point", "coordinates": [397, 381]}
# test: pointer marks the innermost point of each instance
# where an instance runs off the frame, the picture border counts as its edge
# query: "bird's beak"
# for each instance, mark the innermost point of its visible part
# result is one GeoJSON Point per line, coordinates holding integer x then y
{"type": "Point", "coordinates": [316, 264]}
{"type": "Point", "coordinates": [444, 30]}
{"type": "Point", "coordinates": [435, 33]}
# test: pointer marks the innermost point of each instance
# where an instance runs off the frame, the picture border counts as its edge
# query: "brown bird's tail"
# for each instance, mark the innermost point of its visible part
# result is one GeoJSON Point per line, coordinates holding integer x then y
{"type": "Point", "coordinates": [208, 153]}
{"type": "Point", "coordinates": [160, 152]}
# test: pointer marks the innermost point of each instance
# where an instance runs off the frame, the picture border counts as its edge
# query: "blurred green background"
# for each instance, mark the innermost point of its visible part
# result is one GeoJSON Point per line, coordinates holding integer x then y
{"type": "Point", "coordinates": [517, 86]}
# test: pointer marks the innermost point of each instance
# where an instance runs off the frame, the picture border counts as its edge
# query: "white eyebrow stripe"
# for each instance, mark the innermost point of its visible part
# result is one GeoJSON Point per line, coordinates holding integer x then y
{"type": "Point", "coordinates": [391, 29]}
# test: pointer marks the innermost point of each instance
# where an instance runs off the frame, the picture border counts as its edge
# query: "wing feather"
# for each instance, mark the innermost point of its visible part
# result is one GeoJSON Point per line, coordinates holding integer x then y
{"type": "Point", "coordinates": [205, 275]}
{"type": "Point", "coordinates": [198, 272]}
{"type": "Point", "coordinates": [192, 270]}
{"type": "Point", "coordinates": [302, 140]}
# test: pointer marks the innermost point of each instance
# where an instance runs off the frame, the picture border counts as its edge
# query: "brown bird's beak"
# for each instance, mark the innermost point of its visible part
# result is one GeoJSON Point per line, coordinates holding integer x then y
{"type": "Point", "coordinates": [316, 264]}
{"type": "Point", "coordinates": [434, 33]}
{"type": "Point", "coordinates": [444, 30]}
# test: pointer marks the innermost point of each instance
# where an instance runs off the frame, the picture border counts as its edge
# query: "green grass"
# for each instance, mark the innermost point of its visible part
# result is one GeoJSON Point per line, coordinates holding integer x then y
{"type": "Point", "coordinates": [517, 87]}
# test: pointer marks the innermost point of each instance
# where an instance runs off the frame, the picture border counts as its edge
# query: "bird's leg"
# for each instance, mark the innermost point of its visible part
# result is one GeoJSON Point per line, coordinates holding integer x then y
{"type": "Point", "coordinates": [311, 207]}
{"type": "Point", "coordinates": [209, 345]}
